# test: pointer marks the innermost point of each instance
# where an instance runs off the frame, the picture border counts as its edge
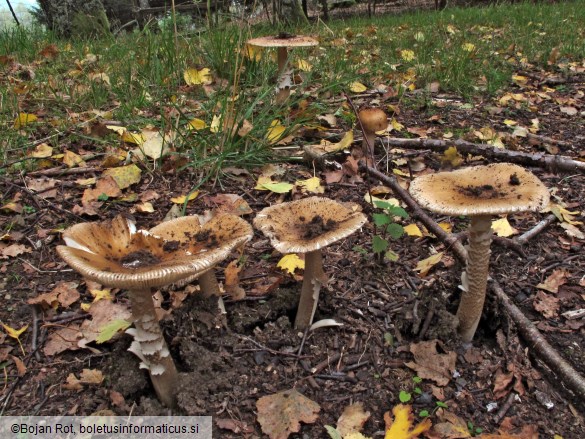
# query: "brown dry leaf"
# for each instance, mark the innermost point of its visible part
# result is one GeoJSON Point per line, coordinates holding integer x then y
{"type": "Point", "coordinates": [232, 281]}
{"type": "Point", "coordinates": [401, 427]}
{"type": "Point", "coordinates": [234, 425]}
{"type": "Point", "coordinates": [430, 364]}
{"type": "Point", "coordinates": [63, 339]}
{"type": "Point", "coordinates": [12, 250]}
{"type": "Point", "coordinates": [91, 376]}
{"type": "Point", "coordinates": [554, 281]}
{"type": "Point", "coordinates": [419, 131]}
{"type": "Point", "coordinates": [546, 304]}
{"type": "Point", "coordinates": [451, 427]}
{"type": "Point", "coordinates": [71, 159]}
{"type": "Point", "coordinates": [281, 414]}
{"type": "Point", "coordinates": [502, 383]}
{"type": "Point", "coordinates": [229, 203]}
{"type": "Point", "coordinates": [102, 313]}
{"type": "Point", "coordinates": [49, 51]}
{"type": "Point", "coordinates": [352, 419]}
{"type": "Point", "coordinates": [105, 186]}
{"type": "Point", "coordinates": [20, 366]}
{"type": "Point", "coordinates": [72, 383]}
{"type": "Point", "coordinates": [64, 294]}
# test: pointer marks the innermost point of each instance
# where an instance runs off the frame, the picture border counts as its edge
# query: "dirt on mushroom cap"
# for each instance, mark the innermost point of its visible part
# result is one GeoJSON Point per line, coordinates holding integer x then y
{"type": "Point", "coordinates": [481, 190]}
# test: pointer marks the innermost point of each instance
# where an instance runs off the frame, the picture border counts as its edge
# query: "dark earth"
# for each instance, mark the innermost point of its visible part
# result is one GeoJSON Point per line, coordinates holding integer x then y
{"type": "Point", "coordinates": [228, 361]}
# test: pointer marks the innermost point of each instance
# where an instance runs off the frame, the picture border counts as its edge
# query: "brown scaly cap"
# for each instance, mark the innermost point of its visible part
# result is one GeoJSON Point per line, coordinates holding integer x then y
{"type": "Point", "coordinates": [481, 190]}
{"type": "Point", "coordinates": [114, 254]}
{"type": "Point", "coordinates": [307, 225]}
{"type": "Point", "coordinates": [373, 119]}
{"type": "Point", "coordinates": [283, 40]}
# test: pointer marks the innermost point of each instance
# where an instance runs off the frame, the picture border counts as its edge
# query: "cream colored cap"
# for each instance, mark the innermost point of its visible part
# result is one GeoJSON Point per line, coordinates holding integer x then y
{"type": "Point", "coordinates": [308, 224]}
{"type": "Point", "coordinates": [283, 40]}
{"type": "Point", "coordinates": [481, 190]}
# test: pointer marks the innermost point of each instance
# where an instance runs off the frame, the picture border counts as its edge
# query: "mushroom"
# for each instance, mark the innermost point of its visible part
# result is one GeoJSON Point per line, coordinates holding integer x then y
{"type": "Point", "coordinates": [114, 254]}
{"type": "Point", "coordinates": [371, 120]}
{"type": "Point", "coordinates": [283, 41]}
{"type": "Point", "coordinates": [306, 226]}
{"type": "Point", "coordinates": [479, 192]}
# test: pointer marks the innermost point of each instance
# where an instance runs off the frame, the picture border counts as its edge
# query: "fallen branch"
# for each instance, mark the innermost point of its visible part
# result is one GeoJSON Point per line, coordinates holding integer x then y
{"type": "Point", "coordinates": [526, 236]}
{"type": "Point", "coordinates": [569, 376]}
{"type": "Point", "coordinates": [553, 163]}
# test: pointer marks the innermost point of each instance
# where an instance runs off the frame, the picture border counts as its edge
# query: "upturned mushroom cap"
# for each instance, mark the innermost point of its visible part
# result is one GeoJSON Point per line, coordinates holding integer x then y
{"type": "Point", "coordinates": [114, 254]}
{"type": "Point", "coordinates": [283, 40]}
{"type": "Point", "coordinates": [481, 190]}
{"type": "Point", "coordinates": [307, 225]}
{"type": "Point", "coordinates": [373, 119]}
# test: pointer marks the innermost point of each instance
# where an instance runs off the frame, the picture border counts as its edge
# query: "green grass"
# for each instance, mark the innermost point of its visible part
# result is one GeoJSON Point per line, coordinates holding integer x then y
{"type": "Point", "coordinates": [470, 52]}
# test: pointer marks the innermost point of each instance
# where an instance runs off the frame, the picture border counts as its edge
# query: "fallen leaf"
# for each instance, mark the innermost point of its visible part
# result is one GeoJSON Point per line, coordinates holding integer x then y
{"type": "Point", "coordinates": [407, 55]}
{"type": "Point", "coordinates": [63, 339]}
{"type": "Point", "coordinates": [290, 263]}
{"type": "Point", "coordinates": [275, 131]}
{"type": "Point", "coordinates": [103, 313]}
{"type": "Point", "coordinates": [13, 250]}
{"type": "Point", "coordinates": [183, 198]}
{"type": "Point", "coordinates": [401, 427]}
{"type": "Point", "coordinates": [196, 124]}
{"type": "Point", "coordinates": [64, 294]}
{"type": "Point", "coordinates": [352, 419]}
{"type": "Point", "coordinates": [197, 77]}
{"type": "Point", "coordinates": [502, 227]}
{"type": "Point", "coordinates": [281, 414]}
{"type": "Point", "coordinates": [24, 119]}
{"type": "Point", "coordinates": [42, 151]}
{"type": "Point", "coordinates": [452, 157]}
{"type": "Point", "coordinates": [20, 366]}
{"type": "Point", "coordinates": [232, 281]}
{"type": "Point", "coordinates": [111, 329]}
{"type": "Point", "coordinates": [105, 187]}
{"type": "Point", "coordinates": [312, 185]}
{"type": "Point", "coordinates": [72, 159]}
{"type": "Point", "coordinates": [424, 266]}
{"type": "Point", "coordinates": [570, 111]}
{"type": "Point", "coordinates": [14, 333]}
{"type": "Point", "coordinates": [266, 184]}
{"type": "Point", "coordinates": [229, 203]}
{"type": "Point", "coordinates": [412, 230]}
{"type": "Point", "coordinates": [357, 87]}
{"type": "Point", "coordinates": [124, 176]}
{"type": "Point", "coordinates": [546, 304]}
{"type": "Point", "coordinates": [430, 364]}
{"type": "Point", "coordinates": [451, 427]}
{"type": "Point", "coordinates": [554, 281]}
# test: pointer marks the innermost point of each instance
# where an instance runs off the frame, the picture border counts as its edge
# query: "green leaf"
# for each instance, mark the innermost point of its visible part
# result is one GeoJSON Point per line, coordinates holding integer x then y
{"type": "Point", "coordinates": [442, 405]}
{"type": "Point", "coordinates": [333, 432]}
{"type": "Point", "coordinates": [379, 245]}
{"type": "Point", "coordinates": [102, 197]}
{"type": "Point", "coordinates": [388, 339]}
{"type": "Point", "coordinates": [381, 219]}
{"type": "Point", "coordinates": [423, 413]}
{"type": "Point", "coordinates": [111, 329]}
{"type": "Point", "coordinates": [418, 390]}
{"type": "Point", "coordinates": [398, 211]}
{"type": "Point", "coordinates": [395, 230]}
{"type": "Point", "coordinates": [391, 256]}
{"type": "Point", "coordinates": [416, 379]}
{"type": "Point", "coordinates": [383, 204]}
{"type": "Point", "coordinates": [404, 397]}
{"type": "Point", "coordinates": [359, 249]}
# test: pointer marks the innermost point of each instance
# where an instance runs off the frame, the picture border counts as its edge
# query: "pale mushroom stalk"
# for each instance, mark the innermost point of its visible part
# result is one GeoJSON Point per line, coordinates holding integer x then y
{"type": "Point", "coordinates": [152, 348]}
{"type": "Point", "coordinates": [476, 276]}
{"type": "Point", "coordinates": [283, 93]}
{"type": "Point", "coordinates": [313, 278]}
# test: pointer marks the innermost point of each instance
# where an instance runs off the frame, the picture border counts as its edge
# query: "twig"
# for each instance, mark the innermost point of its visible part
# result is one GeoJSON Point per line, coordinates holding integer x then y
{"type": "Point", "coordinates": [272, 351]}
{"type": "Point", "coordinates": [570, 377]}
{"type": "Point", "coordinates": [526, 236]}
{"type": "Point", "coordinates": [553, 163]}
{"type": "Point", "coordinates": [35, 331]}
{"type": "Point", "coordinates": [505, 407]}
{"type": "Point", "coordinates": [323, 364]}
{"type": "Point", "coordinates": [52, 172]}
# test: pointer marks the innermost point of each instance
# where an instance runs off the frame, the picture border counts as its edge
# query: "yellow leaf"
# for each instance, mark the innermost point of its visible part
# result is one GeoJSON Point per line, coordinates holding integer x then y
{"type": "Point", "coordinates": [197, 77]}
{"type": "Point", "coordinates": [196, 124]}
{"type": "Point", "coordinates": [215, 123]}
{"type": "Point", "coordinates": [452, 156]}
{"type": "Point", "coordinates": [253, 53]}
{"type": "Point", "coordinates": [412, 230]}
{"type": "Point", "coordinates": [146, 207]}
{"type": "Point", "coordinates": [134, 138]}
{"type": "Point", "coordinates": [304, 65]}
{"type": "Point", "coordinates": [101, 295]}
{"type": "Point", "coordinates": [275, 131]}
{"type": "Point", "coordinates": [277, 187]}
{"type": "Point", "coordinates": [519, 79]}
{"type": "Point", "coordinates": [424, 266]}
{"type": "Point", "coordinates": [14, 333]}
{"type": "Point", "coordinates": [312, 184]}
{"type": "Point", "coordinates": [447, 227]}
{"type": "Point", "coordinates": [290, 263]}
{"type": "Point", "coordinates": [329, 147]}
{"type": "Point", "coordinates": [502, 227]}
{"type": "Point", "coordinates": [452, 29]}
{"type": "Point", "coordinates": [24, 119]}
{"type": "Point", "coordinates": [401, 173]}
{"type": "Point", "coordinates": [357, 87]}
{"type": "Point", "coordinates": [42, 151]}
{"type": "Point", "coordinates": [85, 306]}
{"type": "Point", "coordinates": [155, 145]}
{"type": "Point", "coordinates": [402, 425]}
{"type": "Point", "coordinates": [510, 122]}
{"type": "Point", "coordinates": [396, 125]}
{"type": "Point", "coordinates": [117, 129]}
{"type": "Point", "coordinates": [71, 159]}
{"type": "Point", "coordinates": [468, 47]}
{"type": "Point", "coordinates": [564, 215]}
{"type": "Point", "coordinates": [183, 198]}
{"type": "Point", "coordinates": [124, 176]}
{"type": "Point", "coordinates": [407, 55]}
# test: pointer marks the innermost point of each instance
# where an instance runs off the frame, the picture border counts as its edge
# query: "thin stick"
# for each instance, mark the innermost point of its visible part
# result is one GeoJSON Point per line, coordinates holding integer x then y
{"type": "Point", "coordinates": [528, 235]}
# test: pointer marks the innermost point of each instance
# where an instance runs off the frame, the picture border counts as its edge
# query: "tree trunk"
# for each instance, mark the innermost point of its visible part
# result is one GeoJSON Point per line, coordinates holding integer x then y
{"type": "Point", "coordinates": [76, 18]}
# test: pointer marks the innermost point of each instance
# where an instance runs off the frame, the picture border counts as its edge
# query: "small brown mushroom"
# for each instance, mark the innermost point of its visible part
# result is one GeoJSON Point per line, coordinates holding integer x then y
{"type": "Point", "coordinates": [371, 120]}
{"type": "Point", "coordinates": [306, 226]}
{"type": "Point", "coordinates": [114, 254]}
{"type": "Point", "coordinates": [283, 41]}
{"type": "Point", "coordinates": [479, 192]}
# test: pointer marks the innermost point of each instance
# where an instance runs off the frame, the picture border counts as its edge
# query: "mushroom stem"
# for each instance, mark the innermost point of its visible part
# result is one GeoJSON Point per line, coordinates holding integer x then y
{"type": "Point", "coordinates": [313, 278]}
{"type": "Point", "coordinates": [208, 284]}
{"type": "Point", "coordinates": [283, 93]}
{"type": "Point", "coordinates": [149, 344]}
{"type": "Point", "coordinates": [368, 143]}
{"type": "Point", "coordinates": [475, 278]}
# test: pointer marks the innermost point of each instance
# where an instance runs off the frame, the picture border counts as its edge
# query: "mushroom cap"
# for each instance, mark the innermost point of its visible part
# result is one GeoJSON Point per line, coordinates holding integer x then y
{"type": "Point", "coordinates": [308, 224]}
{"type": "Point", "coordinates": [112, 252]}
{"type": "Point", "coordinates": [373, 119]}
{"type": "Point", "coordinates": [283, 41]}
{"type": "Point", "coordinates": [481, 190]}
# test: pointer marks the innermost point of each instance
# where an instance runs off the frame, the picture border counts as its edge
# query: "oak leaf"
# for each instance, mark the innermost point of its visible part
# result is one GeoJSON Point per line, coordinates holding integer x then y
{"type": "Point", "coordinates": [281, 414]}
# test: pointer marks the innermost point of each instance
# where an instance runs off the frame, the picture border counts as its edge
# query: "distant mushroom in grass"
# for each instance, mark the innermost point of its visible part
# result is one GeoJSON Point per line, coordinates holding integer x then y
{"type": "Point", "coordinates": [114, 254]}
{"type": "Point", "coordinates": [306, 226]}
{"type": "Point", "coordinates": [372, 120]}
{"type": "Point", "coordinates": [283, 42]}
{"type": "Point", "coordinates": [479, 192]}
